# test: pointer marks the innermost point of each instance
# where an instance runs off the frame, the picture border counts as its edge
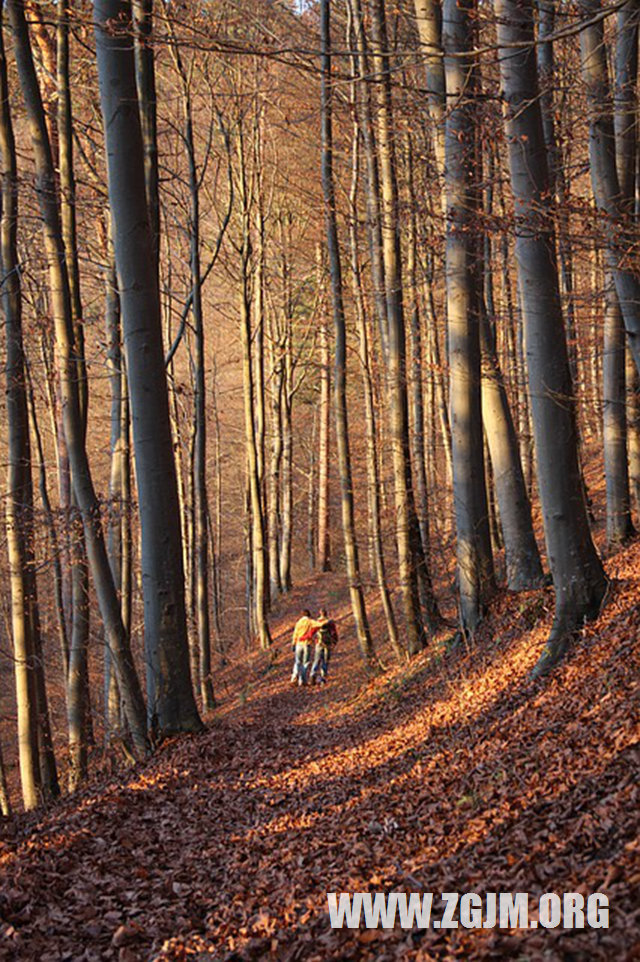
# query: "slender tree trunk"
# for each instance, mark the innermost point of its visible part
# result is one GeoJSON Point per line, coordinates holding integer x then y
{"type": "Point", "coordinates": [201, 531]}
{"type": "Point", "coordinates": [415, 580]}
{"type": "Point", "coordinates": [260, 571]}
{"type": "Point", "coordinates": [363, 633]}
{"type": "Point", "coordinates": [54, 544]}
{"type": "Point", "coordinates": [19, 503]}
{"type": "Point", "coordinates": [616, 467]}
{"type": "Point", "coordinates": [324, 455]}
{"type": "Point", "coordinates": [78, 705]}
{"type": "Point", "coordinates": [373, 479]}
{"type": "Point", "coordinates": [578, 576]}
{"type": "Point", "coordinates": [276, 377]}
{"type": "Point", "coordinates": [171, 698]}
{"type": "Point", "coordinates": [115, 545]}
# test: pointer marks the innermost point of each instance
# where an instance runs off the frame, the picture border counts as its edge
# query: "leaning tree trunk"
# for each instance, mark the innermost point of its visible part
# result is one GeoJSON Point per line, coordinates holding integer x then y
{"type": "Point", "coordinates": [358, 608]}
{"type": "Point", "coordinates": [524, 569]}
{"type": "Point", "coordinates": [171, 702]}
{"type": "Point", "coordinates": [578, 576]}
{"type": "Point", "coordinates": [475, 566]}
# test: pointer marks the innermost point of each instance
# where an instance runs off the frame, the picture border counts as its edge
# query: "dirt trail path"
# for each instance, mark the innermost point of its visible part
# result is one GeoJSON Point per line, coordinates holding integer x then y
{"type": "Point", "coordinates": [456, 773]}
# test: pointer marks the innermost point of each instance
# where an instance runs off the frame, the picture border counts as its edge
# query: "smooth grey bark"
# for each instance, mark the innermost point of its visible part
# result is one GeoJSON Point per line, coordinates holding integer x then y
{"type": "Point", "coordinates": [170, 694]}
{"type": "Point", "coordinates": [71, 411]}
{"type": "Point", "coordinates": [363, 632]}
{"type": "Point", "coordinates": [578, 576]}
{"type": "Point", "coordinates": [475, 564]}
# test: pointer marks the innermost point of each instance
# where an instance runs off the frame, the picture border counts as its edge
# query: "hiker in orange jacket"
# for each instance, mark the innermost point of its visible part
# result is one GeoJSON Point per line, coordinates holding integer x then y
{"type": "Point", "coordinates": [326, 639]}
{"type": "Point", "coordinates": [303, 632]}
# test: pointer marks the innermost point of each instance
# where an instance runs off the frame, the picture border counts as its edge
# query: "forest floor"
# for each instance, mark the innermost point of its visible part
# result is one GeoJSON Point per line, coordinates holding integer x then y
{"type": "Point", "coordinates": [453, 773]}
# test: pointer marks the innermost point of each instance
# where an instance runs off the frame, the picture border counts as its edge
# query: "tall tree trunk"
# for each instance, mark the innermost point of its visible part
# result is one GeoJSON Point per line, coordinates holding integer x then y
{"type": "Point", "coordinates": [201, 529]}
{"type": "Point", "coordinates": [373, 479]}
{"type": "Point", "coordinates": [578, 576]}
{"type": "Point", "coordinates": [19, 503]}
{"type": "Point", "coordinates": [415, 581]}
{"type": "Point", "coordinates": [78, 705]}
{"type": "Point", "coordinates": [324, 455]}
{"type": "Point", "coordinates": [363, 633]}
{"type": "Point", "coordinates": [169, 687]}
{"type": "Point", "coordinates": [475, 566]}
{"type": "Point", "coordinates": [260, 571]}
{"type": "Point", "coordinates": [276, 378]}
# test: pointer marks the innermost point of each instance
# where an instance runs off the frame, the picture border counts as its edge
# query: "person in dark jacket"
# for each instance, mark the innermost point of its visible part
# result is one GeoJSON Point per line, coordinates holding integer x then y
{"type": "Point", "coordinates": [326, 636]}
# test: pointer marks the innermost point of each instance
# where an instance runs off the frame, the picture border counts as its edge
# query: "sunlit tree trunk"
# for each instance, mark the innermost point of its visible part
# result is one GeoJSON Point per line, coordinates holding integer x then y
{"type": "Point", "coordinates": [19, 502]}
{"type": "Point", "coordinates": [475, 565]}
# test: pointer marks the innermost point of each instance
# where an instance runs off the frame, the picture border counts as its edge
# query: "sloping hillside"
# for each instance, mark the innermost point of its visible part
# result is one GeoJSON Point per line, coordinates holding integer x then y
{"type": "Point", "coordinates": [455, 773]}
